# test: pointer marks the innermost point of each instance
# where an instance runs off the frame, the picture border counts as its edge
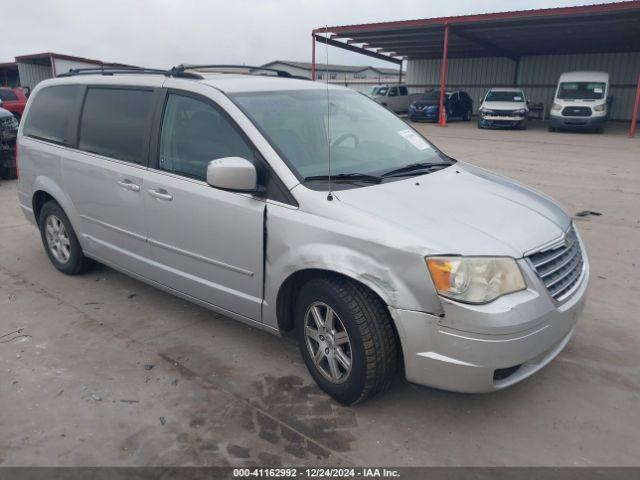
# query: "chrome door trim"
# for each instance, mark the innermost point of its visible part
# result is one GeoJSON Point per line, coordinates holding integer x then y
{"type": "Point", "coordinates": [195, 256]}
{"type": "Point", "coordinates": [112, 227]}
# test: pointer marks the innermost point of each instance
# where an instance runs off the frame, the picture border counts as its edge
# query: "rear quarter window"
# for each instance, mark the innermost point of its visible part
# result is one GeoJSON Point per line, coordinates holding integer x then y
{"type": "Point", "coordinates": [51, 115]}
{"type": "Point", "coordinates": [116, 123]}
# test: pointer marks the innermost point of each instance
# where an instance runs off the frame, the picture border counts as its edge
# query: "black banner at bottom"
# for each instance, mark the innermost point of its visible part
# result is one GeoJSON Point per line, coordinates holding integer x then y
{"type": "Point", "coordinates": [346, 473]}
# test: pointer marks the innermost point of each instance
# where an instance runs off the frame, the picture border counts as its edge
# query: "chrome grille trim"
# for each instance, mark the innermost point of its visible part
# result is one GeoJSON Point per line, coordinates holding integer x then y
{"type": "Point", "coordinates": [561, 266]}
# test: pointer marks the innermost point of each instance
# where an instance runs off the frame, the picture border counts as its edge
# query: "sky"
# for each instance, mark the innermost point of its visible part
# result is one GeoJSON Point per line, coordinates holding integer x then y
{"type": "Point", "coordinates": [162, 33]}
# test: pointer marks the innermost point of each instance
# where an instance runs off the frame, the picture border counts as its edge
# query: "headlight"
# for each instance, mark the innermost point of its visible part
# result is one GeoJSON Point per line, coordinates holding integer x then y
{"type": "Point", "coordinates": [486, 111]}
{"type": "Point", "coordinates": [522, 111]}
{"type": "Point", "coordinates": [600, 108]}
{"type": "Point", "coordinates": [475, 279]}
{"type": "Point", "coordinates": [556, 107]}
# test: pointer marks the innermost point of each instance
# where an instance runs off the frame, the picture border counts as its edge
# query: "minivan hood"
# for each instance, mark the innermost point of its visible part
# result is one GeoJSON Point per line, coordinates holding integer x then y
{"type": "Point", "coordinates": [464, 210]}
{"type": "Point", "coordinates": [504, 105]}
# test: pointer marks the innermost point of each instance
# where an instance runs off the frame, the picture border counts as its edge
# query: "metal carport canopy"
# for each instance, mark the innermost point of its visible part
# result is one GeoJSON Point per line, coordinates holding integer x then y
{"type": "Point", "coordinates": [601, 28]}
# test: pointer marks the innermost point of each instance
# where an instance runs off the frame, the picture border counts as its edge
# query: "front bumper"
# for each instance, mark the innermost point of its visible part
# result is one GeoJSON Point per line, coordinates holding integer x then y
{"type": "Point", "coordinates": [483, 348]}
{"type": "Point", "coordinates": [577, 123]}
{"type": "Point", "coordinates": [427, 114]}
{"type": "Point", "coordinates": [489, 121]}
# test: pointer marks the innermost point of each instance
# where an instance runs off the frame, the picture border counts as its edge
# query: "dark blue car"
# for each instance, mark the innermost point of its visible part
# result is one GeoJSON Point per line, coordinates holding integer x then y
{"type": "Point", "coordinates": [427, 108]}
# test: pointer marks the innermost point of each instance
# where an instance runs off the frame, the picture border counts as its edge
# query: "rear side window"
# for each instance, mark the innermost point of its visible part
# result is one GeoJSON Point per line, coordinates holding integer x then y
{"type": "Point", "coordinates": [7, 95]}
{"type": "Point", "coordinates": [403, 91]}
{"type": "Point", "coordinates": [51, 114]}
{"type": "Point", "coordinates": [115, 123]}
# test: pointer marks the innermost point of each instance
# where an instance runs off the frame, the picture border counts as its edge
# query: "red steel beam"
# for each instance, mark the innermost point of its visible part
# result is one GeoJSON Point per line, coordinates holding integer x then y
{"type": "Point", "coordinates": [634, 118]}
{"type": "Point", "coordinates": [524, 14]}
{"type": "Point", "coordinates": [442, 120]}
{"type": "Point", "coordinates": [313, 57]}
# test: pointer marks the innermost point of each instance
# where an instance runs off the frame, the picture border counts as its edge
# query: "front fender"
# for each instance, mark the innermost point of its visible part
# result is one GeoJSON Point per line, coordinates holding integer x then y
{"type": "Point", "coordinates": [298, 241]}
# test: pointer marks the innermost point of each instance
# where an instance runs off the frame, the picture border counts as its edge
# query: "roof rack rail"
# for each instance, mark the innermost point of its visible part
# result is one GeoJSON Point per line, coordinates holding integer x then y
{"type": "Point", "coordinates": [229, 67]}
{"type": "Point", "coordinates": [181, 71]}
{"type": "Point", "coordinates": [128, 70]}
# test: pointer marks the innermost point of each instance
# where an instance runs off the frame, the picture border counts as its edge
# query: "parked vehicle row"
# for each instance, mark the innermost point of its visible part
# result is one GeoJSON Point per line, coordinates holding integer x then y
{"type": "Point", "coordinates": [397, 259]}
{"type": "Point", "coordinates": [581, 102]}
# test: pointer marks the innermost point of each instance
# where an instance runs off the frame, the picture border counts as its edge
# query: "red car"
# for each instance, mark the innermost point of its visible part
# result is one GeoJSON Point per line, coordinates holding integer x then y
{"type": "Point", "coordinates": [14, 100]}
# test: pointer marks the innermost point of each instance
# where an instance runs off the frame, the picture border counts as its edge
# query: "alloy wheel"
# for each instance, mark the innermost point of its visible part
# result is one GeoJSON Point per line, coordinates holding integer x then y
{"type": "Point", "coordinates": [57, 239]}
{"type": "Point", "coordinates": [328, 342]}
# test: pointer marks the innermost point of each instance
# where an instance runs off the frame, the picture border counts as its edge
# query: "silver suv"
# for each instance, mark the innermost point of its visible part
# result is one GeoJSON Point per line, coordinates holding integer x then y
{"type": "Point", "coordinates": [215, 187]}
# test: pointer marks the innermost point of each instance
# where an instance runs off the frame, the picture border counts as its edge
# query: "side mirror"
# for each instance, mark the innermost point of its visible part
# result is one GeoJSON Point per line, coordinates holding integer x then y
{"type": "Point", "coordinates": [233, 173]}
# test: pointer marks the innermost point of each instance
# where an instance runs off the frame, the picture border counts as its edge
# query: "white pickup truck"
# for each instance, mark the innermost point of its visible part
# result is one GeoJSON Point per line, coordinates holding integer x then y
{"type": "Point", "coordinates": [396, 98]}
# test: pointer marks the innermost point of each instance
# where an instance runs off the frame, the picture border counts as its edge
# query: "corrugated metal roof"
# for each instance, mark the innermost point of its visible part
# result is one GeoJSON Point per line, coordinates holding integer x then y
{"type": "Point", "coordinates": [611, 27]}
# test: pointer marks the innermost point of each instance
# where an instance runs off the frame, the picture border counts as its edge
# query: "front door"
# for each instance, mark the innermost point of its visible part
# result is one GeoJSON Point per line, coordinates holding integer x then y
{"type": "Point", "coordinates": [207, 243]}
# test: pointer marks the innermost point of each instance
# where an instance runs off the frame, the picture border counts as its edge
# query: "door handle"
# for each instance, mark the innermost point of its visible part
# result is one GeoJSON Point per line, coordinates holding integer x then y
{"type": "Point", "coordinates": [160, 194]}
{"type": "Point", "coordinates": [129, 185]}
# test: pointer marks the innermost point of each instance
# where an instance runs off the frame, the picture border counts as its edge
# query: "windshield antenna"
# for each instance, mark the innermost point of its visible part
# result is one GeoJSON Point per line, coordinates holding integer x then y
{"type": "Point", "coordinates": [326, 46]}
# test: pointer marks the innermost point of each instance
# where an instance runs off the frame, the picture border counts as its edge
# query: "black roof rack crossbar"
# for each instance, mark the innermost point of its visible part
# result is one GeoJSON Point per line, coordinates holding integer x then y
{"type": "Point", "coordinates": [279, 73]}
{"type": "Point", "coordinates": [128, 70]}
{"type": "Point", "coordinates": [182, 71]}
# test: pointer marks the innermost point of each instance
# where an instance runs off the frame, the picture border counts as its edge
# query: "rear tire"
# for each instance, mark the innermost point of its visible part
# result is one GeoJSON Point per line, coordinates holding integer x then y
{"type": "Point", "coordinates": [60, 241]}
{"type": "Point", "coordinates": [361, 328]}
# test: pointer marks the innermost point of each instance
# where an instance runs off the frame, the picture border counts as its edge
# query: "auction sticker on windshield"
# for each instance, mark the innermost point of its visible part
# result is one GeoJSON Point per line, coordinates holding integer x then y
{"type": "Point", "coordinates": [414, 139]}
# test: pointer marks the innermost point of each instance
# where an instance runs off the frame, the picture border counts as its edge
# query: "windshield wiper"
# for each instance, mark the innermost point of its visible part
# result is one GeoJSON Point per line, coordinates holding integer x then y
{"type": "Point", "coordinates": [346, 177]}
{"type": "Point", "coordinates": [414, 169]}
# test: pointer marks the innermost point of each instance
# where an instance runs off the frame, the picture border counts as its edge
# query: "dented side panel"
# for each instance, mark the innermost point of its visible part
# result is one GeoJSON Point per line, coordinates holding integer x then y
{"type": "Point", "coordinates": [356, 245]}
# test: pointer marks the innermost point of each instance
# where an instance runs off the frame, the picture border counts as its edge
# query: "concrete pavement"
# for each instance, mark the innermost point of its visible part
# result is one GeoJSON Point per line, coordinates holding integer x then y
{"type": "Point", "coordinates": [74, 389]}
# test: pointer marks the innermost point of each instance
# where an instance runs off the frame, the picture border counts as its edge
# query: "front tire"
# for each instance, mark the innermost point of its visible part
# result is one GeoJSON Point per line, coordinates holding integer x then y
{"type": "Point", "coordinates": [347, 339]}
{"type": "Point", "coordinates": [60, 241]}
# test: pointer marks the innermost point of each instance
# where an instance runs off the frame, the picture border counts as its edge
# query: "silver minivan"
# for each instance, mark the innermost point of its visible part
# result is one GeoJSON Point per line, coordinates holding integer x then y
{"type": "Point", "coordinates": [304, 208]}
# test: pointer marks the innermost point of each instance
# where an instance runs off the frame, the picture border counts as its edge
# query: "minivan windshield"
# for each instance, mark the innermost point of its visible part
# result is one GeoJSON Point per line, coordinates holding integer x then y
{"type": "Point", "coordinates": [504, 96]}
{"type": "Point", "coordinates": [366, 139]}
{"type": "Point", "coordinates": [581, 90]}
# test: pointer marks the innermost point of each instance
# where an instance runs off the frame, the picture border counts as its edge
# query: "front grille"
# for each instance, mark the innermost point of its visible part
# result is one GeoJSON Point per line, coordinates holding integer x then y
{"type": "Point", "coordinates": [576, 112]}
{"type": "Point", "coordinates": [503, 113]}
{"type": "Point", "coordinates": [8, 129]}
{"type": "Point", "coordinates": [560, 268]}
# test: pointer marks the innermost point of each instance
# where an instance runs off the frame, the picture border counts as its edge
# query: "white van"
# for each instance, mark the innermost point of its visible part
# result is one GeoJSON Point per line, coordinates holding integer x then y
{"type": "Point", "coordinates": [580, 101]}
